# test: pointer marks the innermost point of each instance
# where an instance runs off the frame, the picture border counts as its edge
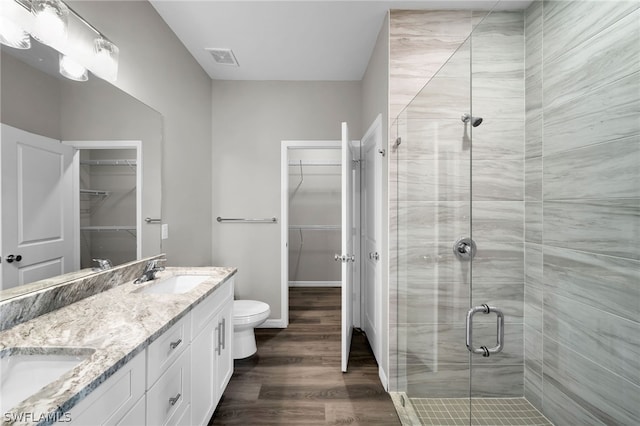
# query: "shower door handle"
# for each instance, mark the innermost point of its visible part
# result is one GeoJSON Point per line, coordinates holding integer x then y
{"type": "Point", "coordinates": [485, 309]}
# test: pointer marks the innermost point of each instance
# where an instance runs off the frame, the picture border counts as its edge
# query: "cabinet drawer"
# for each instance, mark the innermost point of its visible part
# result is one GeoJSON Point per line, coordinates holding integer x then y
{"type": "Point", "coordinates": [108, 403]}
{"type": "Point", "coordinates": [206, 310]}
{"type": "Point", "coordinates": [168, 399]}
{"type": "Point", "coordinates": [162, 352]}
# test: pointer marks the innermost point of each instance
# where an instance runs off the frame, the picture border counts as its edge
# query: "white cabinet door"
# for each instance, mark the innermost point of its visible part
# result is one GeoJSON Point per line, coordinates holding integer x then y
{"type": "Point", "coordinates": [225, 356]}
{"type": "Point", "coordinates": [136, 416]}
{"type": "Point", "coordinates": [203, 366]}
{"type": "Point", "coordinates": [113, 399]}
{"type": "Point", "coordinates": [37, 208]}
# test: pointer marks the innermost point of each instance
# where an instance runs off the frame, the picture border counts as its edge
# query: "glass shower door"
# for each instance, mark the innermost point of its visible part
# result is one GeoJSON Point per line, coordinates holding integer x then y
{"type": "Point", "coordinates": [432, 212]}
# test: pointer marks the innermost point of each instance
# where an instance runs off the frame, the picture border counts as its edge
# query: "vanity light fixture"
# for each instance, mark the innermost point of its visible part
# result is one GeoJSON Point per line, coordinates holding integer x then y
{"type": "Point", "coordinates": [71, 69]}
{"type": "Point", "coordinates": [80, 45]}
{"type": "Point", "coordinates": [50, 22]}
{"type": "Point", "coordinates": [12, 35]}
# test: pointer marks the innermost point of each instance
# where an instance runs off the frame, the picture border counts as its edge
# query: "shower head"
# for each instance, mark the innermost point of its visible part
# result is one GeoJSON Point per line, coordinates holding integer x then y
{"type": "Point", "coordinates": [475, 121]}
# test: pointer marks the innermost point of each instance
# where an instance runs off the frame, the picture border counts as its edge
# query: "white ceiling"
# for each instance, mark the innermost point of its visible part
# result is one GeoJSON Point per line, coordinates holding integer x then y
{"type": "Point", "coordinates": [289, 40]}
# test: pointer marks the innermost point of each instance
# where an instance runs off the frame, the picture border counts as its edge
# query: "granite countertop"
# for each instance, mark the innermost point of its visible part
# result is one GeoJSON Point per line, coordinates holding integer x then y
{"type": "Point", "coordinates": [118, 324]}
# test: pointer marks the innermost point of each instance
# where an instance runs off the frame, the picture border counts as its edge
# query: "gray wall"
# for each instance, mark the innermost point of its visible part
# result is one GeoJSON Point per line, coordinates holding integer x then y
{"type": "Point", "coordinates": [582, 315]}
{"type": "Point", "coordinates": [30, 98]}
{"type": "Point", "coordinates": [375, 100]}
{"type": "Point", "coordinates": [158, 70]}
{"type": "Point", "coordinates": [250, 119]}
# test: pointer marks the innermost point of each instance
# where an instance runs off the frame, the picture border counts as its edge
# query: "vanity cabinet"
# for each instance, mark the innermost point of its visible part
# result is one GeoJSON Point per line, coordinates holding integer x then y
{"type": "Point", "coordinates": [177, 380]}
{"type": "Point", "coordinates": [211, 352]}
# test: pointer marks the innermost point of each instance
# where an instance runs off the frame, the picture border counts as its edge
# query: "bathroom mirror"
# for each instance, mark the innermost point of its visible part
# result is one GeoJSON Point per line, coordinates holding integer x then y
{"type": "Point", "coordinates": [38, 100]}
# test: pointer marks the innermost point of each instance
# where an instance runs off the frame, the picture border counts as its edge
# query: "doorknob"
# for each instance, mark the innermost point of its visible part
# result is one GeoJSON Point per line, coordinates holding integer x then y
{"type": "Point", "coordinates": [344, 258]}
{"type": "Point", "coordinates": [11, 258]}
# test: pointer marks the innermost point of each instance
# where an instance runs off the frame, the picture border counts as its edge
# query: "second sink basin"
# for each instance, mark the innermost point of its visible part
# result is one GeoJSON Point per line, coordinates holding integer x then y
{"type": "Point", "coordinates": [24, 371]}
{"type": "Point", "coordinates": [176, 284]}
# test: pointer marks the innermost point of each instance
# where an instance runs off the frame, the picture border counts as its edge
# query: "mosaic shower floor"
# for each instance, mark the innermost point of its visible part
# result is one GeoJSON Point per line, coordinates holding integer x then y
{"type": "Point", "coordinates": [485, 411]}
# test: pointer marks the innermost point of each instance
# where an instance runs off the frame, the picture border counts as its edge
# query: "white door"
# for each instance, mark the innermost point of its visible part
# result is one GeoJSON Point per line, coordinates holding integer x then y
{"type": "Point", "coordinates": [37, 207]}
{"type": "Point", "coordinates": [371, 211]}
{"type": "Point", "coordinates": [347, 257]}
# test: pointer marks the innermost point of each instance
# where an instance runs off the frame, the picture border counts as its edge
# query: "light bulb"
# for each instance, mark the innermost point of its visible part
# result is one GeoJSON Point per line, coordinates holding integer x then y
{"type": "Point", "coordinates": [71, 69]}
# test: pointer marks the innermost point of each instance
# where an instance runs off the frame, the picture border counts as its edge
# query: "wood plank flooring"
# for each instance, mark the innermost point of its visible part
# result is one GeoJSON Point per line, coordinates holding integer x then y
{"type": "Point", "coordinates": [295, 377]}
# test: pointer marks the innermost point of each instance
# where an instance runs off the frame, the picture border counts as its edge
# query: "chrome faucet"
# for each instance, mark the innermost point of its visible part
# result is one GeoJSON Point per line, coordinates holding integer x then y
{"type": "Point", "coordinates": [150, 270]}
{"type": "Point", "coordinates": [103, 264]}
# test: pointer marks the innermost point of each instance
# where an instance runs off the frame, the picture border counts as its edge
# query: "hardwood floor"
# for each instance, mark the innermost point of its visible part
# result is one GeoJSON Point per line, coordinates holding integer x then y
{"type": "Point", "coordinates": [295, 377]}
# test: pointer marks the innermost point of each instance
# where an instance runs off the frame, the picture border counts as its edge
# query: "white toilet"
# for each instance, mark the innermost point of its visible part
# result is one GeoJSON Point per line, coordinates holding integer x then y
{"type": "Point", "coordinates": [247, 315]}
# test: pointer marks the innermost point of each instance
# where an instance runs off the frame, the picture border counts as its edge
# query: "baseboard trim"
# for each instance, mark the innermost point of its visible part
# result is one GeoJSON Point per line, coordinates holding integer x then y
{"type": "Point", "coordinates": [383, 378]}
{"type": "Point", "coordinates": [273, 323]}
{"type": "Point", "coordinates": [315, 284]}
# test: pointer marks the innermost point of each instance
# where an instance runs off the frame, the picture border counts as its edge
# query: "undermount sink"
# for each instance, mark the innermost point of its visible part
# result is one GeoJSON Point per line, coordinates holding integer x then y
{"type": "Point", "coordinates": [24, 371]}
{"type": "Point", "coordinates": [176, 284]}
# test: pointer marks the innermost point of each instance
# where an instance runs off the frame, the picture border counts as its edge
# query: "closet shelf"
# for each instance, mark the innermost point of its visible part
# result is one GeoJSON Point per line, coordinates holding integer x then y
{"type": "Point", "coordinates": [109, 228]}
{"type": "Point", "coordinates": [315, 227]}
{"type": "Point", "coordinates": [120, 162]}
{"type": "Point", "coordinates": [95, 192]}
{"type": "Point", "coordinates": [315, 163]}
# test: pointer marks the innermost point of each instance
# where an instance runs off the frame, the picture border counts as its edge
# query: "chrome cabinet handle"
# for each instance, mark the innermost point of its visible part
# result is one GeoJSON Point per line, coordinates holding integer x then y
{"type": "Point", "coordinates": [175, 344]}
{"type": "Point", "coordinates": [374, 255]}
{"type": "Point", "coordinates": [224, 332]}
{"type": "Point", "coordinates": [11, 258]}
{"type": "Point", "coordinates": [483, 350]}
{"type": "Point", "coordinates": [217, 348]}
{"type": "Point", "coordinates": [172, 401]}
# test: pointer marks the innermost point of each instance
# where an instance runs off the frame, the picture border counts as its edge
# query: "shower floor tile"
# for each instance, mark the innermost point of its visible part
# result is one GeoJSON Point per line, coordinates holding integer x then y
{"type": "Point", "coordinates": [485, 411]}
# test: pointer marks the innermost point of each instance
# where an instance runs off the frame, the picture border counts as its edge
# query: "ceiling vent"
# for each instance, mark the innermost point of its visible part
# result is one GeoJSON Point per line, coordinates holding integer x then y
{"type": "Point", "coordinates": [223, 56]}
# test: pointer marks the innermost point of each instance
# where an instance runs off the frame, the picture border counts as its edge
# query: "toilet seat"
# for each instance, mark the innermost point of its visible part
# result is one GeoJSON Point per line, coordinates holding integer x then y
{"type": "Point", "coordinates": [248, 311]}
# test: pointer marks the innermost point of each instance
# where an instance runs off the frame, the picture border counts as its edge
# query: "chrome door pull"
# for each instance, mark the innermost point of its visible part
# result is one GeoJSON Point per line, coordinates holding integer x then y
{"type": "Point", "coordinates": [175, 344]}
{"type": "Point", "coordinates": [485, 309]}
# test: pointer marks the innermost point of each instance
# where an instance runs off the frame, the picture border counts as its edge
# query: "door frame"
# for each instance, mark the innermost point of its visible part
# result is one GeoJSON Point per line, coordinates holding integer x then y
{"type": "Point", "coordinates": [374, 132]}
{"type": "Point", "coordinates": [284, 215]}
{"type": "Point", "coordinates": [116, 144]}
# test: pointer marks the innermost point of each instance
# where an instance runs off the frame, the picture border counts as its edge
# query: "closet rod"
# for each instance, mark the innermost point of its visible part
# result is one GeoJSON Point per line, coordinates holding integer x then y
{"type": "Point", "coordinates": [227, 219]}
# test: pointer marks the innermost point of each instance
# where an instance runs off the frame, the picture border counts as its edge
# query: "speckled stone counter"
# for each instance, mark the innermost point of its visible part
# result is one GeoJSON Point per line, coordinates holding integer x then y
{"type": "Point", "coordinates": [118, 323]}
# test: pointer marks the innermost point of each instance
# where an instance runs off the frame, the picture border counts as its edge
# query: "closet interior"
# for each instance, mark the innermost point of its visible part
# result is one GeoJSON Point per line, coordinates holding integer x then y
{"type": "Point", "coordinates": [107, 205]}
{"type": "Point", "coordinates": [314, 217]}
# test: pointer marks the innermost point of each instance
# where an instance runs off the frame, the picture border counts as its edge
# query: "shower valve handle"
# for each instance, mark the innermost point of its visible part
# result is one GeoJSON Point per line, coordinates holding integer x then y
{"type": "Point", "coordinates": [465, 249]}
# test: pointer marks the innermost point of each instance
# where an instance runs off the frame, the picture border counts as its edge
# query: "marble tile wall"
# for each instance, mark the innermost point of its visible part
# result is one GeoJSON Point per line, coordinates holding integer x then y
{"type": "Point", "coordinates": [436, 197]}
{"type": "Point", "coordinates": [582, 211]}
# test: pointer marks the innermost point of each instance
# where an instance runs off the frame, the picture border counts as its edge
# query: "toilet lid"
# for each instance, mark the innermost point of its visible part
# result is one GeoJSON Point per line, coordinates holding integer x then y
{"type": "Point", "coordinates": [247, 308]}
